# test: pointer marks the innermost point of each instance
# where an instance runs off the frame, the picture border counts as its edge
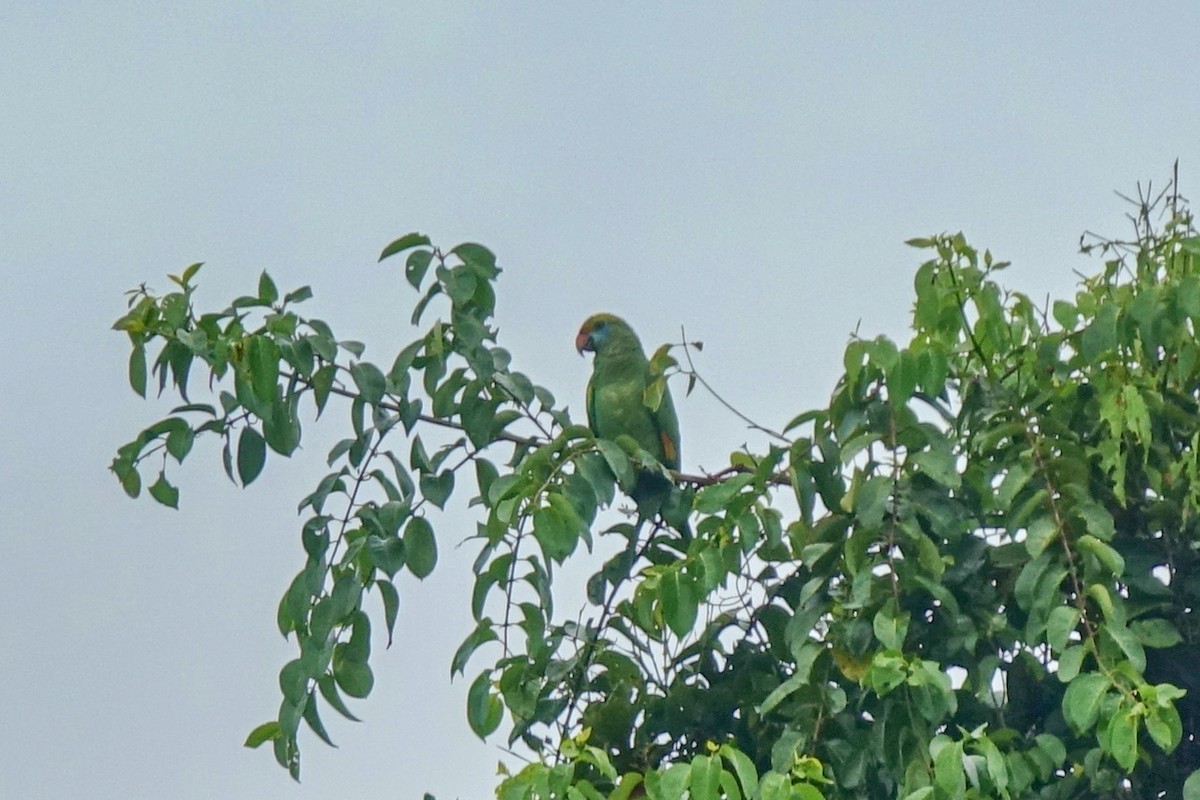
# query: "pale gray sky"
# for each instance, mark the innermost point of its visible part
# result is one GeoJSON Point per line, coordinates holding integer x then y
{"type": "Point", "coordinates": [749, 171]}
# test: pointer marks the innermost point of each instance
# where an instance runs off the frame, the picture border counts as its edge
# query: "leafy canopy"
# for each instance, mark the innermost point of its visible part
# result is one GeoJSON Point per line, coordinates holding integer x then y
{"type": "Point", "coordinates": [972, 574]}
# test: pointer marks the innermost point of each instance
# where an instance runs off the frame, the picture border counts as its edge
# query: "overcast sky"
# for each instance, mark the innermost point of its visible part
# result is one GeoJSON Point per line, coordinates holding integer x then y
{"type": "Point", "coordinates": [747, 171]}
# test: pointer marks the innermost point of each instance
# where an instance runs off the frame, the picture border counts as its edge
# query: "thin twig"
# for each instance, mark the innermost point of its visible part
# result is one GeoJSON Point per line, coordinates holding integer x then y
{"type": "Point", "coordinates": [692, 373]}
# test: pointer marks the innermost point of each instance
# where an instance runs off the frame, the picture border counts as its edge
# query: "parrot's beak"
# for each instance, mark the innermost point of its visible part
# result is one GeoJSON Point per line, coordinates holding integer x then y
{"type": "Point", "coordinates": [583, 341]}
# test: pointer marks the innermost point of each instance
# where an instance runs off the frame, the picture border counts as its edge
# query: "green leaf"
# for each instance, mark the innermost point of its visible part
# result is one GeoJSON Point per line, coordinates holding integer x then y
{"type": "Point", "coordinates": [882, 352]}
{"type": "Point", "coordinates": [728, 784]}
{"type": "Point", "coordinates": [743, 767]}
{"type": "Point", "coordinates": [788, 687]}
{"type": "Point", "coordinates": [887, 671]}
{"type": "Point", "coordinates": [1155, 632]}
{"type": "Point", "coordinates": [484, 709]}
{"type": "Point", "coordinates": [1059, 625]}
{"type": "Point", "coordinates": [189, 272]}
{"type": "Point", "coordinates": [262, 359]}
{"type": "Point", "coordinates": [1164, 726]}
{"type": "Point", "coordinates": [806, 791]}
{"type": "Point", "coordinates": [480, 259]}
{"type": "Point", "coordinates": [940, 464]}
{"type": "Point", "coordinates": [423, 303]}
{"type": "Point", "coordinates": [1031, 576]}
{"type": "Point", "coordinates": [705, 779]}
{"type": "Point", "coordinates": [1099, 592]}
{"type": "Point", "coordinates": [679, 606]}
{"type": "Point", "coordinates": [1137, 416]}
{"type": "Point", "coordinates": [322, 383]}
{"type": "Point", "coordinates": [667, 783]}
{"type": "Point", "coordinates": [1123, 736]}
{"type": "Point", "coordinates": [137, 369]}
{"type": "Point", "coordinates": [484, 632]}
{"type": "Point", "coordinates": [948, 769]}
{"type": "Point", "coordinates": [902, 377]}
{"type": "Point", "coordinates": [1129, 645]}
{"type": "Point", "coordinates": [282, 428]}
{"type": "Point", "coordinates": [391, 605]}
{"type": "Point", "coordinates": [554, 534]}
{"type": "Point", "coordinates": [806, 655]}
{"type": "Point", "coordinates": [652, 395]}
{"type": "Point", "coordinates": [934, 367]}
{"type": "Point", "coordinates": [293, 606]}
{"type": "Point", "coordinates": [267, 293]}
{"type": "Point", "coordinates": [1040, 533]}
{"type": "Point", "coordinates": [716, 497]}
{"type": "Point", "coordinates": [437, 489]}
{"type": "Point", "coordinates": [485, 475]}
{"type": "Point", "coordinates": [293, 682]}
{"type": "Point", "coordinates": [128, 475]}
{"type": "Point", "coordinates": [1065, 313]}
{"type": "Point", "coordinates": [1104, 553]}
{"type": "Point", "coordinates": [617, 461]}
{"type": "Point", "coordinates": [164, 492]}
{"type": "Point", "coordinates": [329, 691]}
{"type": "Point", "coordinates": [369, 380]}
{"type": "Point", "coordinates": [353, 677]}
{"type": "Point", "coordinates": [263, 733]}
{"type": "Point", "coordinates": [179, 442]}
{"type": "Point", "coordinates": [416, 266]}
{"type": "Point", "coordinates": [997, 767]}
{"type": "Point", "coordinates": [387, 553]}
{"type": "Point", "coordinates": [251, 455]}
{"type": "Point", "coordinates": [1098, 520]}
{"type": "Point", "coordinates": [314, 720]}
{"type": "Point", "coordinates": [418, 458]}
{"type": "Point", "coordinates": [420, 547]}
{"type": "Point", "coordinates": [459, 284]}
{"type": "Point", "coordinates": [1081, 702]}
{"type": "Point", "coordinates": [891, 628]}
{"type": "Point", "coordinates": [629, 782]}
{"type": "Point", "coordinates": [775, 787]}
{"type": "Point", "coordinates": [298, 295]}
{"type": "Point", "coordinates": [1191, 787]}
{"type": "Point", "coordinates": [1101, 336]}
{"type": "Point", "coordinates": [1053, 747]}
{"type": "Point", "coordinates": [870, 501]}
{"type": "Point", "coordinates": [1070, 662]}
{"type": "Point", "coordinates": [405, 242]}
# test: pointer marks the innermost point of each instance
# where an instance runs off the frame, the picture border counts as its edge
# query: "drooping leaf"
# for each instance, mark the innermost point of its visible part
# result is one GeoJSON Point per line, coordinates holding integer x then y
{"type": "Point", "coordinates": [405, 242]}
{"type": "Point", "coordinates": [420, 547]}
{"type": "Point", "coordinates": [137, 369]}
{"type": "Point", "coordinates": [484, 709]}
{"type": "Point", "coordinates": [164, 492]}
{"type": "Point", "coordinates": [251, 455]}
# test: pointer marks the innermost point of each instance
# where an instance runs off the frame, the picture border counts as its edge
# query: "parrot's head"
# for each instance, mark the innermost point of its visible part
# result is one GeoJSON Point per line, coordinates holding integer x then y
{"type": "Point", "coordinates": [600, 331]}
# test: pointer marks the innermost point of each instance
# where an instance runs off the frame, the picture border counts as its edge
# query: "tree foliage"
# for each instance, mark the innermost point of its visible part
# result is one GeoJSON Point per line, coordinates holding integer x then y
{"type": "Point", "coordinates": [972, 574]}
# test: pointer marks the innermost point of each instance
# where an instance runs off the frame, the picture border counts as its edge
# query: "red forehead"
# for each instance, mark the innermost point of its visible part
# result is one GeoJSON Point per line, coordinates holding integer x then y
{"type": "Point", "coordinates": [591, 322]}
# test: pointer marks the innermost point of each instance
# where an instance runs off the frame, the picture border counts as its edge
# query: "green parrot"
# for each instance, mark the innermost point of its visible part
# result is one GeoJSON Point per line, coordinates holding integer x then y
{"type": "Point", "coordinates": [615, 404]}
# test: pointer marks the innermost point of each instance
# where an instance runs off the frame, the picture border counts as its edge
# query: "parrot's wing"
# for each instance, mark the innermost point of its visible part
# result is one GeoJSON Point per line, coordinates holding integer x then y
{"type": "Point", "coordinates": [591, 404]}
{"type": "Point", "coordinates": [667, 425]}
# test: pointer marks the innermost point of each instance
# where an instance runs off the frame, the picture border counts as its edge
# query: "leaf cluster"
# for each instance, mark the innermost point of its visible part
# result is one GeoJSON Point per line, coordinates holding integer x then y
{"type": "Point", "coordinates": [972, 574]}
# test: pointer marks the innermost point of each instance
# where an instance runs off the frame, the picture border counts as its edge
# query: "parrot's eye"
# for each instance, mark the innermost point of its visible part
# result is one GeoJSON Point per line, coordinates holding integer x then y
{"type": "Point", "coordinates": [601, 325]}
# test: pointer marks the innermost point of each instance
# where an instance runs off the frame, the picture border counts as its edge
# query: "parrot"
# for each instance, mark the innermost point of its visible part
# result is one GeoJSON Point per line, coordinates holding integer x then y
{"type": "Point", "coordinates": [615, 404]}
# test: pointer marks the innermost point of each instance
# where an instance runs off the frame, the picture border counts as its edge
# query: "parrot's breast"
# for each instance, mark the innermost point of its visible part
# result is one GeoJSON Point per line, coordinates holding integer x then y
{"type": "Point", "coordinates": [621, 411]}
